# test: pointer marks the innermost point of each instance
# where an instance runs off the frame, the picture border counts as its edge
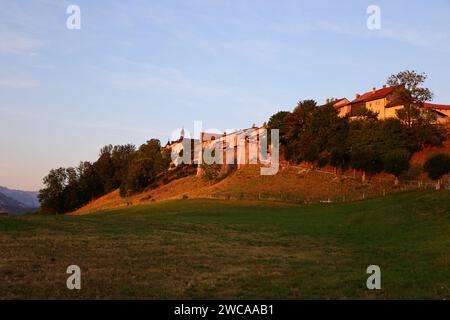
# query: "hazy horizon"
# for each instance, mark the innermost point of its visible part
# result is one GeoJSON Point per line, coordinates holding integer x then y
{"type": "Point", "coordinates": [140, 70]}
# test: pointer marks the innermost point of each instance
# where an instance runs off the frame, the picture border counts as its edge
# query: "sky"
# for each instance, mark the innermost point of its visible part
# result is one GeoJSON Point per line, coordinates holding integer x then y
{"type": "Point", "coordinates": [137, 70]}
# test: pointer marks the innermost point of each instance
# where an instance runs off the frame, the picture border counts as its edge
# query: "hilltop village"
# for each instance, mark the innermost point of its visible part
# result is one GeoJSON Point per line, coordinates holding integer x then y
{"type": "Point", "coordinates": [242, 142]}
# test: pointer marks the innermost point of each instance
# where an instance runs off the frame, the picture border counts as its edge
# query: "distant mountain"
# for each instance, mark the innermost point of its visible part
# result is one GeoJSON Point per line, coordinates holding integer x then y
{"type": "Point", "coordinates": [28, 198]}
{"type": "Point", "coordinates": [12, 206]}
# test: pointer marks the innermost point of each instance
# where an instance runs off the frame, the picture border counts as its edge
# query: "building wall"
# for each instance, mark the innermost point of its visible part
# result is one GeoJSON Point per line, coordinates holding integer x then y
{"type": "Point", "coordinates": [377, 106]}
{"type": "Point", "coordinates": [175, 150]}
{"type": "Point", "coordinates": [443, 120]}
{"type": "Point", "coordinates": [344, 111]}
{"type": "Point", "coordinates": [242, 144]}
{"type": "Point", "coordinates": [392, 112]}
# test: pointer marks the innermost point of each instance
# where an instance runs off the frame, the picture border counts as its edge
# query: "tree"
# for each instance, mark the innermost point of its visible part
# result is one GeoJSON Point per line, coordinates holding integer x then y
{"type": "Point", "coordinates": [396, 162]}
{"type": "Point", "coordinates": [365, 158]}
{"type": "Point", "coordinates": [300, 119]}
{"type": "Point", "coordinates": [423, 129]}
{"type": "Point", "coordinates": [437, 166]}
{"type": "Point", "coordinates": [340, 156]}
{"type": "Point", "coordinates": [144, 167]}
{"type": "Point", "coordinates": [51, 197]}
{"type": "Point", "coordinates": [278, 121]}
{"type": "Point", "coordinates": [376, 144]}
{"type": "Point", "coordinates": [329, 130]}
{"type": "Point", "coordinates": [105, 168]}
{"type": "Point", "coordinates": [365, 114]}
{"type": "Point", "coordinates": [71, 196]}
{"type": "Point", "coordinates": [89, 182]}
{"type": "Point", "coordinates": [412, 81]}
{"type": "Point", "coordinates": [67, 189]}
{"type": "Point", "coordinates": [299, 137]}
{"type": "Point", "coordinates": [121, 157]}
{"type": "Point", "coordinates": [411, 95]}
{"type": "Point", "coordinates": [166, 158]}
{"type": "Point", "coordinates": [423, 135]}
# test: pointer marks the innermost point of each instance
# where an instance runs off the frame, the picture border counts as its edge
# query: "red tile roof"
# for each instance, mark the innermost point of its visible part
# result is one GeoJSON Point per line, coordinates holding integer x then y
{"type": "Point", "coordinates": [374, 95]}
{"type": "Point", "coordinates": [337, 103]}
{"type": "Point", "coordinates": [436, 106]}
{"type": "Point", "coordinates": [340, 103]}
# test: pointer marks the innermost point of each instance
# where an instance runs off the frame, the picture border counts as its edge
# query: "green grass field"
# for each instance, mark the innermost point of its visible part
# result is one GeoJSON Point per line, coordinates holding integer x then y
{"type": "Point", "coordinates": [204, 249]}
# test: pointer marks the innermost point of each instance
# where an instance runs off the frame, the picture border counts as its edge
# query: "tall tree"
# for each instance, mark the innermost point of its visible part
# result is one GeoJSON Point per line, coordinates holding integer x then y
{"type": "Point", "coordinates": [411, 95]}
{"type": "Point", "coordinates": [105, 168]}
{"type": "Point", "coordinates": [121, 157]}
{"type": "Point", "coordinates": [300, 145]}
{"type": "Point", "coordinates": [412, 81]}
{"type": "Point", "coordinates": [51, 196]}
{"type": "Point", "coordinates": [144, 167]}
{"type": "Point", "coordinates": [278, 121]}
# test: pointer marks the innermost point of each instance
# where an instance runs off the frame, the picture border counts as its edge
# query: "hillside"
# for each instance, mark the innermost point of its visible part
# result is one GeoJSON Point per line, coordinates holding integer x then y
{"type": "Point", "coordinates": [203, 249]}
{"type": "Point", "coordinates": [419, 158]}
{"type": "Point", "coordinates": [10, 205]}
{"type": "Point", "coordinates": [28, 198]}
{"type": "Point", "coordinates": [291, 184]}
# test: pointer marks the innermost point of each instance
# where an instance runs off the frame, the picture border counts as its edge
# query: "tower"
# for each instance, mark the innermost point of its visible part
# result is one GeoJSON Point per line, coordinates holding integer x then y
{"type": "Point", "coordinates": [182, 133]}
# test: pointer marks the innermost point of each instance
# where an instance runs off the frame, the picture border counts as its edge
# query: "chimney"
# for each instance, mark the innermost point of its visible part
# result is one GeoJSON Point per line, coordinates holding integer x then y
{"type": "Point", "coordinates": [328, 100]}
{"type": "Point", "coordinates": [374, 89]}
{"type": "Point", "coordinates": [384, 86]}
{"type": "Point", "coordinates": [358, 95]}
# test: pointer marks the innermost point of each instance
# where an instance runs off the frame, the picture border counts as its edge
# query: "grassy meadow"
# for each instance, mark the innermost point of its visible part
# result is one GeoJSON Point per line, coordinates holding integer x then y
{"type": "Point", "coordinates": [212, 249]}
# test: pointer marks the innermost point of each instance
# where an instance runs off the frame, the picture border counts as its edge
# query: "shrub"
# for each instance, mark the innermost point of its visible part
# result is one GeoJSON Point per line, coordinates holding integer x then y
{"type": "Point", "coordinates": [396, 161]}
{"type": "Point", "coordinates": [210, 172]}
{"type": "Point", "coordinates": [437, 166]}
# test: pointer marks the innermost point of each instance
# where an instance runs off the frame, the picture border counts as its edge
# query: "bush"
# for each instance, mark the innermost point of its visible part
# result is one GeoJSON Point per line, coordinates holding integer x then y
{"type": "Point", "coordinates": [396, 161]}
{"type": "Point", "coordinates": [367, 160]}
{"type": "Point", "coordinates": [210, 172]}
{"type": "Point", "coordinates": [437, 166]}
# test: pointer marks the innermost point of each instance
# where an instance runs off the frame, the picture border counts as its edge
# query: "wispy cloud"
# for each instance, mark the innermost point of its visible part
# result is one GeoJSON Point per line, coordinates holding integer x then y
{"type": "Point", "coordinates": [430, 39]}
{"type": "Point", "coordinates": [73, 123]}
{"type": "Point", "coordinates": [18, 83]}
{"type": "Point", "coordinates": [132, 74]}
{"type": "Point", "coordinates": [426, 38]}
{"type": "Point", "coordinates": [127, 74]}
{"type": "Point", "coordinates": [12, 43]}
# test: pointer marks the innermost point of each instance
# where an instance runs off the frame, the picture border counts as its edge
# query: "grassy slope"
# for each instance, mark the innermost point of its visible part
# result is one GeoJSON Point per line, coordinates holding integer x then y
{"type": "Point", "coordinates": [291, 184]}
{"type": "Point", "coordinates": [218, 249]}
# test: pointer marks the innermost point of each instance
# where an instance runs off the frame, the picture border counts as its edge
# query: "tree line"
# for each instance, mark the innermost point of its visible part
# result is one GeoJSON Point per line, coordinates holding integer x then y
{"type": "Point", "coordinates": [122, 166]}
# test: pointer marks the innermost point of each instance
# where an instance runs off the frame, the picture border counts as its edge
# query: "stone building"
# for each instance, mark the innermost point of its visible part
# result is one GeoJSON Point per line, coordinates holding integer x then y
{"type": "Point", "coordinates": [230, 150]}
{"type": "Point", "coordinates": [380, 102]}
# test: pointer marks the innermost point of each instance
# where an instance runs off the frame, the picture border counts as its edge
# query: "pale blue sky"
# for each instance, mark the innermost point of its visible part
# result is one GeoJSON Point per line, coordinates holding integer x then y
{"type": "Point", "coordinates": [140, 69]}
